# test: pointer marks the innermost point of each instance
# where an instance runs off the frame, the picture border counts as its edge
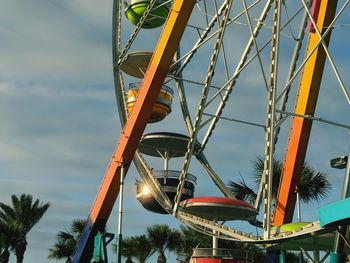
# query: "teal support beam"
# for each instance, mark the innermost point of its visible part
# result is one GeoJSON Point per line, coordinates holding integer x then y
{"type": "Point", "coordinates": [301, 257]}
{"type": "Point", "coordinates": [99, 255]}
{"type": "Point", "coordinates": [100, 247]}
{"type": "Point", "coordinates": [282, 256]}
{"type": "Point", "coordinates": [337, 258]}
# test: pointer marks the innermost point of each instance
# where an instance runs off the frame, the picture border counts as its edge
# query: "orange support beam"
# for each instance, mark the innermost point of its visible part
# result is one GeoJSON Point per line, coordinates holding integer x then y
{"type": "Point", "coordinates": [135, 125]}
{"type": "Point", "coordinates": [300, 127]}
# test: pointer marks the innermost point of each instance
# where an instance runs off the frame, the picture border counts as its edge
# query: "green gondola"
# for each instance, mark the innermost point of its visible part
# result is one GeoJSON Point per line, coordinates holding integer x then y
{"type": "Point", "coordinates": [155, 18]}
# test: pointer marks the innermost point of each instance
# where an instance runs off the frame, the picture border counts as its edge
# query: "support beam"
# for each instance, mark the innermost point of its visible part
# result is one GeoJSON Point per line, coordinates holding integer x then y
{"type": "Point", "coordinates": [305, 105]}
{"type": "Point", "coordinates": [135, 125]}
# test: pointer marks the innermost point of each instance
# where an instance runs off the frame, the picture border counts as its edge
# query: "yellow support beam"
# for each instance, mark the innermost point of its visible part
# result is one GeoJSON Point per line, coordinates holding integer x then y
{"type": "Point", "coordinates": [305, 105]}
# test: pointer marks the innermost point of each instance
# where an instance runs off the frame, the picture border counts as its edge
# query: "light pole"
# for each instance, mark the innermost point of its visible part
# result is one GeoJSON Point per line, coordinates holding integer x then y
{"type": "Point", "coordinates": [338, 256]}
{"type": "Point", "coordinates": [120, 215]}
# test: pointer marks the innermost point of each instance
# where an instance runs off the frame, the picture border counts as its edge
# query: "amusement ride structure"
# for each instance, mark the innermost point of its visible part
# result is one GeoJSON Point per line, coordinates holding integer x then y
{"type": "Point", "coordinates": [204, 54]}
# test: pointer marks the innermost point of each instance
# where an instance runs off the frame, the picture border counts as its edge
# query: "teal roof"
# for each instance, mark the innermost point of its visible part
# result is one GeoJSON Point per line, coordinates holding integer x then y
{"type": "Point", "coordinates": [335, 214]}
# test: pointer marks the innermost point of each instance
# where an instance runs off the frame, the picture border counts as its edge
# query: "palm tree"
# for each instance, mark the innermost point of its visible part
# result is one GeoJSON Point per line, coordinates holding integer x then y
{"type": "Point", "coordinates": [135, 247]}
{"type": "Point", "coordinates": [313, 185]}
{"type": "Point", "coordinates": [10, 234]}
{"type": "Point", "coordinates": [143, 248]}
{"type": "Point", "coordinates": [5, 242]}
{"type": "Point", "coordinates": [162, 238]}
{"type": "Point", "coordinates": [128, 249]}
{"type": "Point", "coordinates": [26, 213]}
{"type": "Point", "coordinates": [67, 241]}
{"type": "Point", "coordinates": [3, 246]}
{"type": "Point", "coordinates": [193, 239]}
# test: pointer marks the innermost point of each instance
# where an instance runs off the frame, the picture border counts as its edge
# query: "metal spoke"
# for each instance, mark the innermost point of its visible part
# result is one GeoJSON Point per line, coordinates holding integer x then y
{"type": "Point", "coordinates": [180, 78]}
{"type": "Point", "coordinates": [236, 120]}
{"type": "Point", "coordinates": [190, 147]}
{"type": "Point", "coordinates": [291, 71]}
{"type": "Point", "coordinates": [183, 100]}
{"type": "Point", "coordinates": [270, 131]}
{"type": "Point", "coordinates": [216, 179]}
{"type": "Point", "coordinates": [254, 42]}
{"type": "Point", "coordinates": [118, 78]}
{"type": "Point", "coordinates": [309, 117]}
{"type": "Point", "coordinates": [232, 81]}
{"type": "Point", "coordinates": [205, 38]}
{"type": "Point", "coordinates": [135, 32]}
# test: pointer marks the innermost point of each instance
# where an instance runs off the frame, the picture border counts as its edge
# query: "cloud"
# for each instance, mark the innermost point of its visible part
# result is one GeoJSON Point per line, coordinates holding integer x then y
{"type": "Point", "coordinates": [59, 122]}
{"type": "Point", "coordinates": [46, 41]}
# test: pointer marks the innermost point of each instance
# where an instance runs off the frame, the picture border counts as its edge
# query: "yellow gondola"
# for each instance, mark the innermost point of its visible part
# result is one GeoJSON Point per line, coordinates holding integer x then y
{"type": "Point", "coordinates": [162, 106]}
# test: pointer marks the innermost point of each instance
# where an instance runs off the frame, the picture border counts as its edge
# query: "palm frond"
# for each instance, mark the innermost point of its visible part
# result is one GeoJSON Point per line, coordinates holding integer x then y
{"type": "Point", "coordinates": [67, 241]}
{"type": "Point", "coordinates": [314, 186]}
{"type": "Point", "coordinates": [77, 228]}
{"type": "Point", "coordinates": [242, 191]}
{"type": "Point", "coordinates": [64, 236]}
{"type": "Point", "coordinates": [157, 236]}
{"type": "Point", "coordinates": [143, 248]}
{"type": "Point", "coordinates": [258, 169]}
{"type": "Point", "coordinates": [7, 212]}
{"type": "Point", "coordinates": [174, 240]}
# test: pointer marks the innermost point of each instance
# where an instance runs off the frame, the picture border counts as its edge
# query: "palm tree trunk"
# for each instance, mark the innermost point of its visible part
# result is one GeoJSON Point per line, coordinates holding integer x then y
{"type": "Point", "coordinates": [5, 256]}
{"type": "Point", "coordinates": [161, 258]}
{"type": "Point", "coordinates": [20, 250]}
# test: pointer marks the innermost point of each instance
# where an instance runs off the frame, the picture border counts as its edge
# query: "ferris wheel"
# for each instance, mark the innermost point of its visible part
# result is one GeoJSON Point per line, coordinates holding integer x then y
{"type": "Point", "coordinates": [214, 77]}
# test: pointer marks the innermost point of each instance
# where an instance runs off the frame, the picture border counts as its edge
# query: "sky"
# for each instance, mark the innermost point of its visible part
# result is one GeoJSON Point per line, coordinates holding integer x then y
{"type": "Point", "coordinates": [59, 120]}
